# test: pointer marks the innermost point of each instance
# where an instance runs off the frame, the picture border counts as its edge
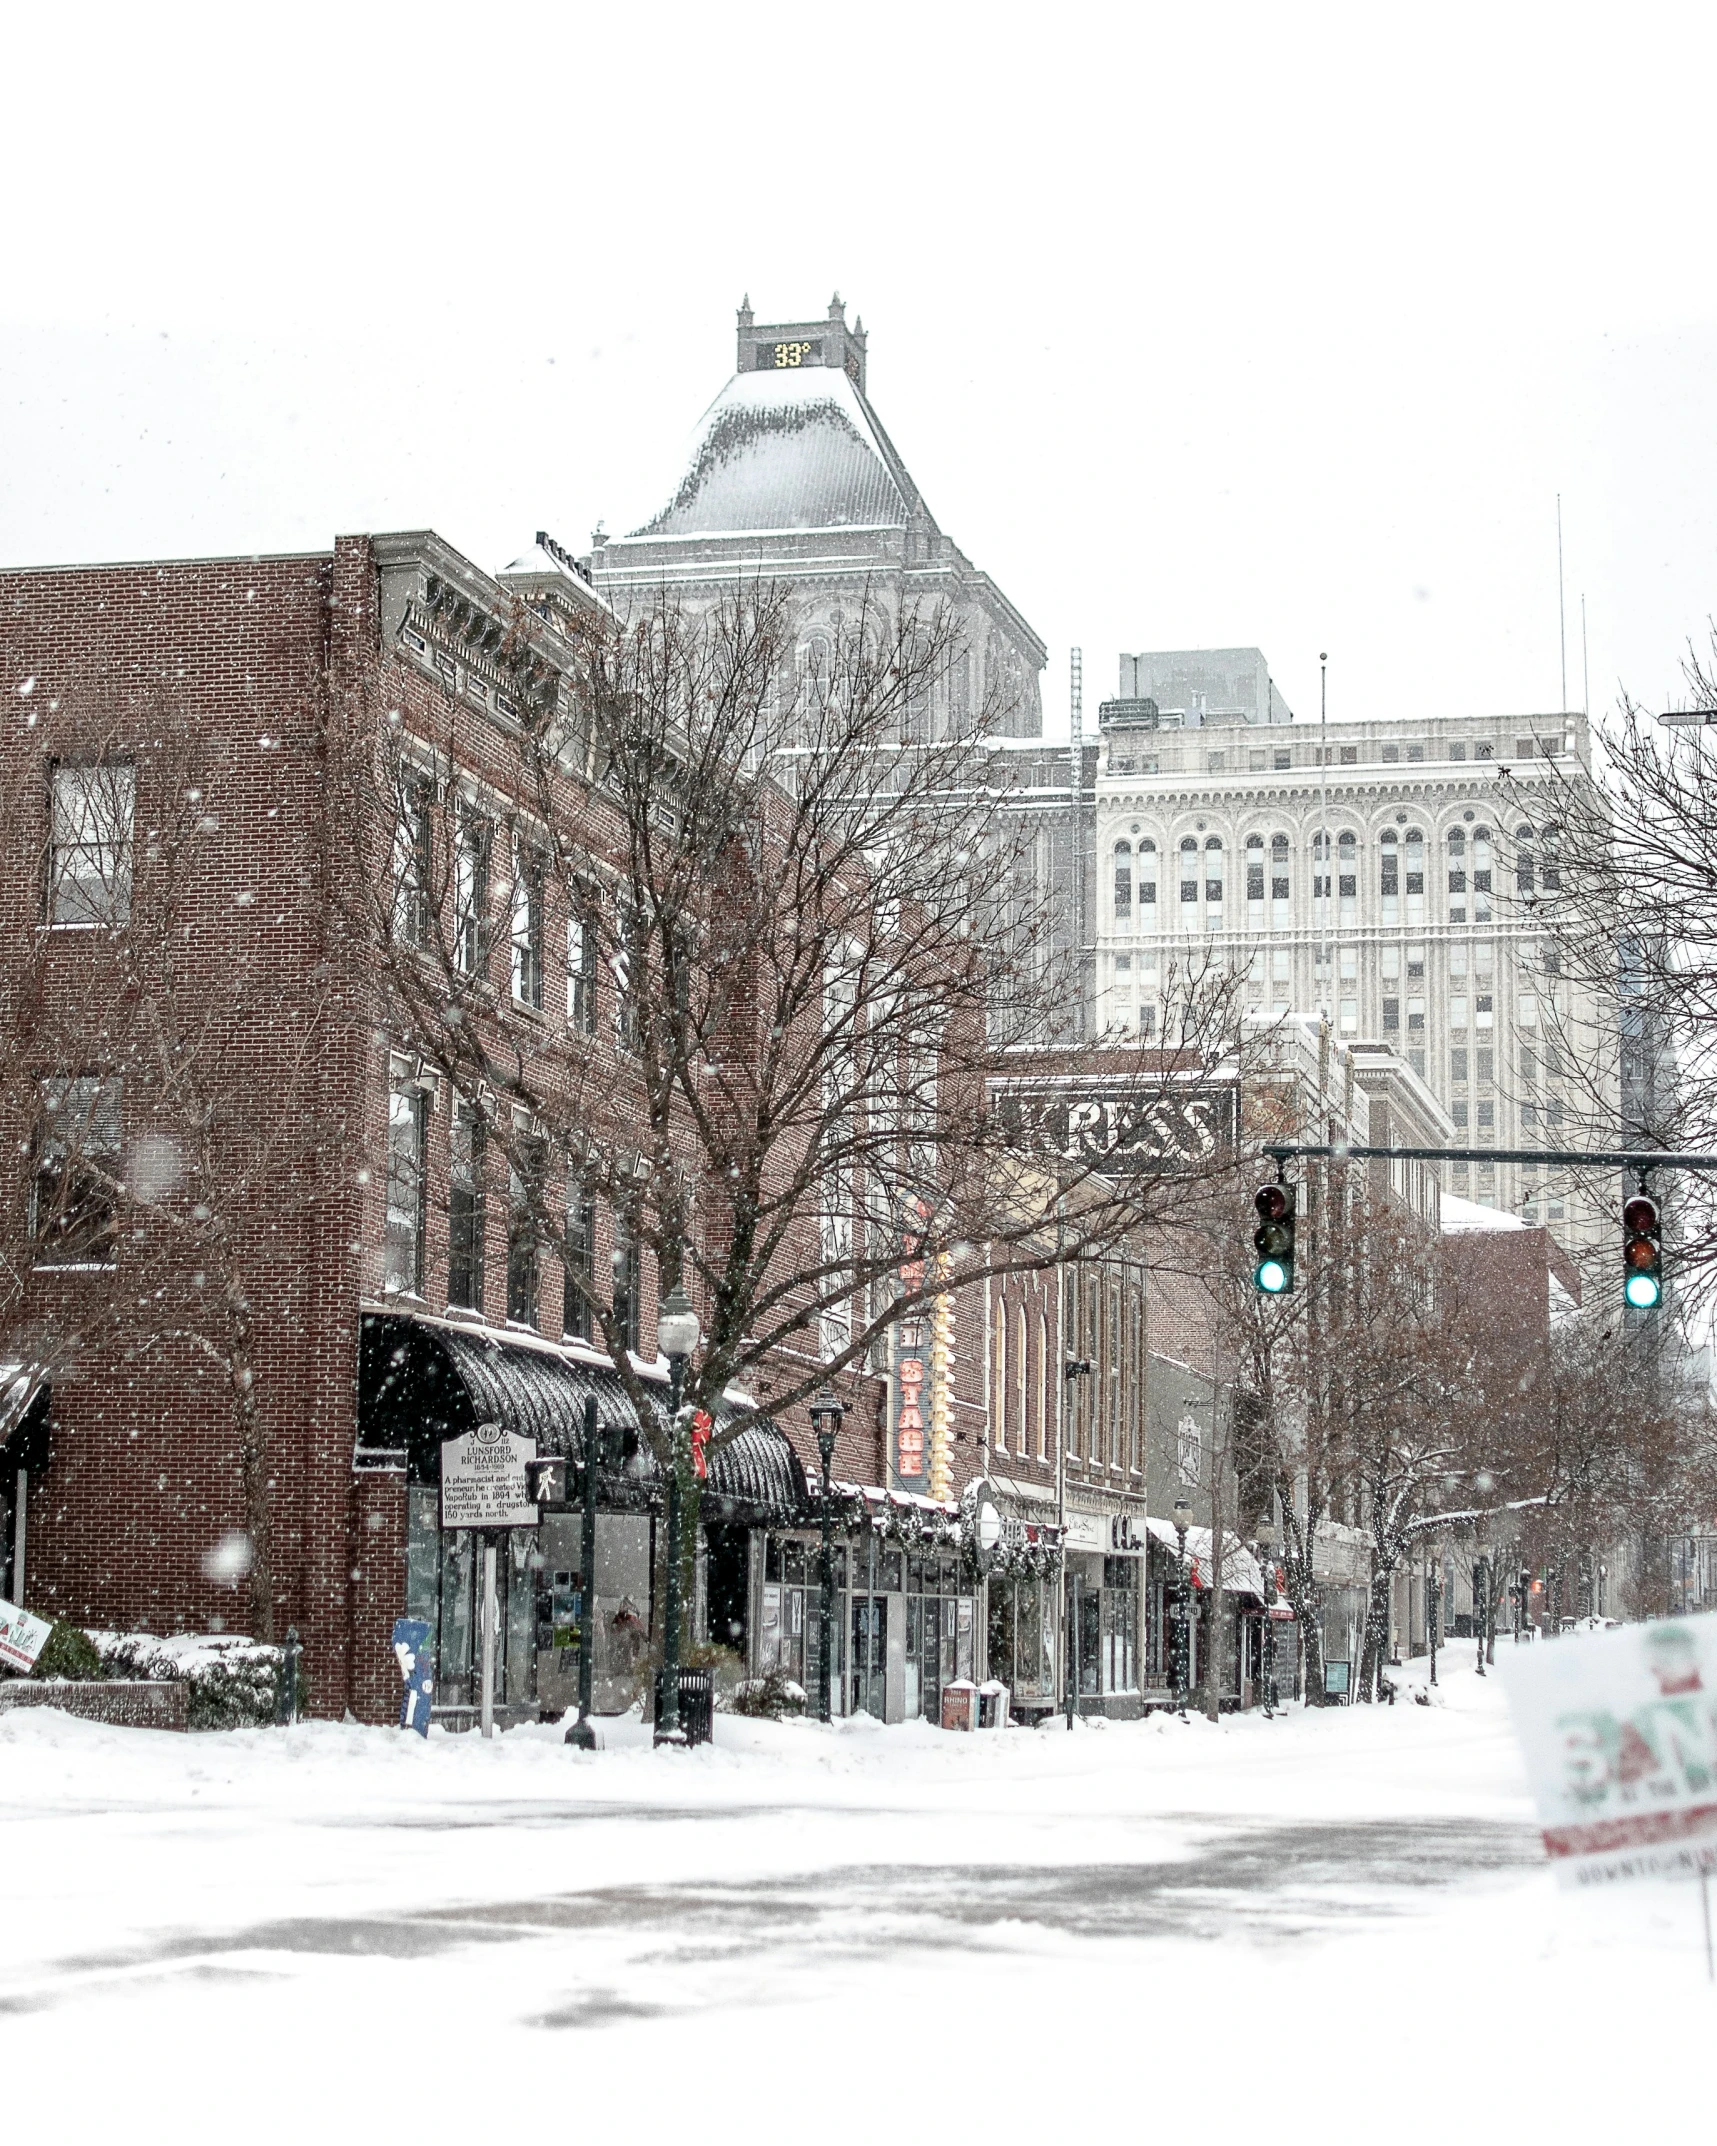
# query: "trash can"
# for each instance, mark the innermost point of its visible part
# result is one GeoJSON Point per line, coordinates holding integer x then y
{"type": "Point", "coordinates": [993, 1705]}
{"type": "Point", "coordinates": [697, 1703]}
{"type": "Point", "coordinates": [960, 1704]}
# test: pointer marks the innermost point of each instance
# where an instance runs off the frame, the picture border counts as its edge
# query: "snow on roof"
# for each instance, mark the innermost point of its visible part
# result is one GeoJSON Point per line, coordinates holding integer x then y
{"type": "Point", "coordinates": [784, 450]}
{"type": "Point", "coordinates": [1459, 1215]}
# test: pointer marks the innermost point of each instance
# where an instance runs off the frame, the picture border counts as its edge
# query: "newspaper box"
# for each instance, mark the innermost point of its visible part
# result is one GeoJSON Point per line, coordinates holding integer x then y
{"type": "Point", "coordinates": [960, 1704]}
{"type": "Point", "coordinates": [993, 1705]}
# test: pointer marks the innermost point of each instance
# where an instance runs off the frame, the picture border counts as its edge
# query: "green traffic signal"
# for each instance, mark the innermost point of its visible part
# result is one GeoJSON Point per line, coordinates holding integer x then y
{"type": "Point", "coordinates": [1273, 1240]}
{"type": "Point", "coordinates": [1642, 1253]}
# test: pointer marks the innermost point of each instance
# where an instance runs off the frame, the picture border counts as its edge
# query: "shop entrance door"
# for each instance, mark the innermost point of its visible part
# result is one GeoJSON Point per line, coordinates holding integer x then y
{"type": "Point", "coordinates": [870, 1655]}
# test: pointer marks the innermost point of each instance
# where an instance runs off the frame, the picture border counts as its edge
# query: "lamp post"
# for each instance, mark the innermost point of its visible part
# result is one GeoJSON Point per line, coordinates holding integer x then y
{"type": "Point", "coordinates": [1433, 1602]}
{"type": "Point", "coordinates": [826, 1414]}
{"type": "Point", "coordinates": [1183, 1612]}
{"type": "Point", "coordinates": [1266, 1630]}
{"type": "Point", "coordinates": [579, 1733]}
{"type": "Point", "coordinates": [677, 1335]}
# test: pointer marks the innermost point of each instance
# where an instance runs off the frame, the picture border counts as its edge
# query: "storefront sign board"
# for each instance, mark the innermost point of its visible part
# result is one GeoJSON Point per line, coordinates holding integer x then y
{"type": "Point", "coordinates": [483, 1479]}
{"type": "Point", "coordinates": [1085, 1531]}
{"type": "Point", "coordinates": [1619, 1733]}
{"type": "Point", "coordinates": [22, 1637]}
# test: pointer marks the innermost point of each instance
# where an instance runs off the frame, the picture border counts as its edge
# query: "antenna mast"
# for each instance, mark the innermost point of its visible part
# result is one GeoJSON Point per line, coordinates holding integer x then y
{"type": "Point", "coordinates": [1076, 756]}
{"type": "Point", "coordinates": [1561, 608]}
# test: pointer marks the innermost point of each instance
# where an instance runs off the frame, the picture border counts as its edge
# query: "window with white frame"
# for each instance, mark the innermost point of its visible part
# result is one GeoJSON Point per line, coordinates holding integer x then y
{"type": "Point", "coordinates": [527, 926]}
{"type": "Point", "coordinates": [581, 971]}
{"type": "Point", "coordinates": [407, 1181]}
{"type": "Point", "coordinates": [468, 1137]}
{"type": "Point", "coordinates": [414, 858]}
{"type": "Point", "coordinates": [471, 891]}
{"type": "Point", "coordinates": [75, 1188]}
{"type": "Point", "coordinates": [91, 809]}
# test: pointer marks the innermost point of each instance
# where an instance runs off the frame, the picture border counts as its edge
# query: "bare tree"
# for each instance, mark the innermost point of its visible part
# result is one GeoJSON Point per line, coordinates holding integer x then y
{"type": "Point", "coordinates": [781, 994]}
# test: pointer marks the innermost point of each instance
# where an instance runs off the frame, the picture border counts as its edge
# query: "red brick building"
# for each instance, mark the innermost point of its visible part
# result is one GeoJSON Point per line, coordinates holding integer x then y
{"type": "Point", "coordinates": [355, 1324]}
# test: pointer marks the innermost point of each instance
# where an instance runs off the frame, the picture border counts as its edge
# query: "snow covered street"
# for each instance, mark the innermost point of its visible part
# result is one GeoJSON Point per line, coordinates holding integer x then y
{"type": "Point", "coordinates": [273, 1933]}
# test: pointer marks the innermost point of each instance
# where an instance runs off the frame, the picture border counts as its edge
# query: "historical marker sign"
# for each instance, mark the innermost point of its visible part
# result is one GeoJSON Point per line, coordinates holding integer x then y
{"type": "Point", "coordinates": [483, 1482]}
{"type": "Point", "coordinates": [1619, 1732]}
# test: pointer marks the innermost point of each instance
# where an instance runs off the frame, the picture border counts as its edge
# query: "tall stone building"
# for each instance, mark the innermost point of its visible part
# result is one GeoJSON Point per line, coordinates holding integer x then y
{"type": "Point", "coordinates": [791, 479]}
{"type": "Point", "coordinates": [1375, 871]}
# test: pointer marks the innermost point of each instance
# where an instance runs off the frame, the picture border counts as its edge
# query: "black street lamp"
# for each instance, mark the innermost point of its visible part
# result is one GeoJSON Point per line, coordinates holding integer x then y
{"type": "Point", "coordinates": [1433, 1602]}
{"type": "Point", "coordinates": [826, 1414]}
{"type": "Point", "coordinates": [677, 1335]}
{"type": "Point", "coordinates": [579, 1733]}
{"type": "Point", "coordinates": [1183, 1612]}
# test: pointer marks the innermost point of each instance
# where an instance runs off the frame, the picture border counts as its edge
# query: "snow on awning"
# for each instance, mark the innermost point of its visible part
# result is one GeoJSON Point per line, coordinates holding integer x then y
{"type": "Point", "coordinates": [423, 1381]}
{"type": "Point", "coordinates": [1241, 1574]}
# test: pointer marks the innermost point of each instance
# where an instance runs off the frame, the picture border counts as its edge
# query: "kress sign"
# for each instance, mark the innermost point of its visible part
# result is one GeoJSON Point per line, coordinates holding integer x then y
{"type": "Point", "coordinates": [1114, 1128]}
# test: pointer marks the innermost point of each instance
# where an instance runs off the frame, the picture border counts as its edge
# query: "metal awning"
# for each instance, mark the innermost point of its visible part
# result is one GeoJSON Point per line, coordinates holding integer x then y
{"type": "Point", "coordinates": [422, 1381]}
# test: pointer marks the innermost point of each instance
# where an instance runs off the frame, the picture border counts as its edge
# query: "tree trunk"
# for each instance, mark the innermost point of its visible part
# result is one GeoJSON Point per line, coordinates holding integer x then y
{"type": "Point", "coordinates": [1375, 1652]}
{"type": "Point", "coordinates": [1302, 1590]}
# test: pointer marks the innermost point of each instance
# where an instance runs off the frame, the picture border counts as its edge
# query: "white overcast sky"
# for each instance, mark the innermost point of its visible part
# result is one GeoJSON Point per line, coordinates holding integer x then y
{"type": "Point", "coordinates": [1196, 326]}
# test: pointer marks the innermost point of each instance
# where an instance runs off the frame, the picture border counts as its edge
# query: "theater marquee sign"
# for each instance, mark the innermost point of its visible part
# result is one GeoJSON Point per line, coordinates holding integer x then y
{"type": "Point", "coordinates": [1118, 1128]}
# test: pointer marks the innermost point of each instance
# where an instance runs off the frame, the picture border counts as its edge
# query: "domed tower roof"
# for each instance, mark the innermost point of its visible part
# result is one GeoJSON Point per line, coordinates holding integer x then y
{"type": "Point", "coordinates": [793, 449]}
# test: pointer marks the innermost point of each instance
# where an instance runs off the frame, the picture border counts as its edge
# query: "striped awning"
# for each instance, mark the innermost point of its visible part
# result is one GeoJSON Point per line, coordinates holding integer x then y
{"type": "Point", "coordinates": [422, 1381]}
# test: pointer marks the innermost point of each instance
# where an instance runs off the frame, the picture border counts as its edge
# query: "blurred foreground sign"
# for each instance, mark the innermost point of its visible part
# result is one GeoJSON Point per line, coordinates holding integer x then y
{"type": "Point", "coordinates": [22, 1637]}
{"type": "Point", "coordinates": [1619, 1732]}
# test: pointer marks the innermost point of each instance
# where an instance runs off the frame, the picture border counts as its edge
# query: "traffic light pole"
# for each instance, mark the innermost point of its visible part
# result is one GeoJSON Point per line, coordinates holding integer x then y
{"type": "Point", "coordinates": [1555, 1158]}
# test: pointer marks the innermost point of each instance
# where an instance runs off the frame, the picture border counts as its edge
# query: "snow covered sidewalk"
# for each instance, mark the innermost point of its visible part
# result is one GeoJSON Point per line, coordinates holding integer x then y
{"type": "Point", "coordinates": [348, 1928]}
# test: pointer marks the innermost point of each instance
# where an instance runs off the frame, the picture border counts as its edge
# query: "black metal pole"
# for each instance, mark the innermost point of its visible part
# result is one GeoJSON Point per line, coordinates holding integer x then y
{"type": "Point", "coordinates": [1183, 1629]}
{"type": "Point", "coordinates": [668, 1725]}
{"type": "Point", "coordinates": [826, 1580]}
{"type": "Point", "coordinates": [1433, 1601]}
{"type": "Point", "coordinates": [580, 1733]}
{"type": "Point", "coordinates": [1481, 1604]}
{"type": "Point", "coordinates": [1074, 1603]}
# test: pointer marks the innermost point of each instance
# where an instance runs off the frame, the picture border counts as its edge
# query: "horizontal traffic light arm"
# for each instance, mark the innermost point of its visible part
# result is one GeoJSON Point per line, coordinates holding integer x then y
{"type": "Point", "coordinates": [1558, 1158]}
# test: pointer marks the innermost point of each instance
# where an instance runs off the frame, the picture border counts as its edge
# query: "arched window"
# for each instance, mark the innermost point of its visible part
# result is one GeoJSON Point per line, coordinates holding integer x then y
{"type": "Point", "coordinates": [1413, 861]}
{"type": "Point", "coordinates": [1279, 886]}
{"type": "Point", "coordinates": [1320, 875]}
{"type": "Point", "coordinates": [1147, 876]}
{"type": "Point", "coordinates": [1347, 876]}
{"type": "Point", "coordinates": [1523, 872]}
{"type": "Point", "coordinates": [1481, 875]}
{"type": "Point", "coordinates": [1457, 875]}
{"type": "Point", "coordinates": [1188, 872]}
{"type": "Point", "coordinates": [1550, 861]}
{"type": "Point", "coordinates": [1123, 882]}
{"type": "Point", "coordinates": [1254, 879]}
{"type": "Point", "coordinates": [1213, 882]}
{"type": "Point", "coordinates": [1389, 875]}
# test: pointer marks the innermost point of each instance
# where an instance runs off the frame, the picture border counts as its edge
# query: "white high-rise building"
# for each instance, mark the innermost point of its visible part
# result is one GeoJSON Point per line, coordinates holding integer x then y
{"type": "Point", "coordinates": [1355, 870]}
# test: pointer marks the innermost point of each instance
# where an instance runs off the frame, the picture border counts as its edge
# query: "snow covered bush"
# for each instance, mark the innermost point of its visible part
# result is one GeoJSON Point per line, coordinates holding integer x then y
{"type": "Point", "coordinates": [233, 1681]}
{"type": "Point", "coordinates": [67, 1653]}
{"type": "Point", "coordinates": [774, 1697]}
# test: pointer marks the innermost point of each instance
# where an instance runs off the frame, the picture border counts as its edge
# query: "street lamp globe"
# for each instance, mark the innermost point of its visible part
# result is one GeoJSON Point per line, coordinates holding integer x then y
{"type": "Point", "coordinates": [1182, 1513]}
{"type": "Point", "coordinates": [677, 1329]}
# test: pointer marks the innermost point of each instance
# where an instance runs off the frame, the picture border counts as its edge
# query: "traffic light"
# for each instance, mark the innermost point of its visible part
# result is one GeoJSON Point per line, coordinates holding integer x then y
{"type": "Point", "coordinates": [1273, 1240]}
{"type": "Point", "coordinates": [1642, 1254]}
